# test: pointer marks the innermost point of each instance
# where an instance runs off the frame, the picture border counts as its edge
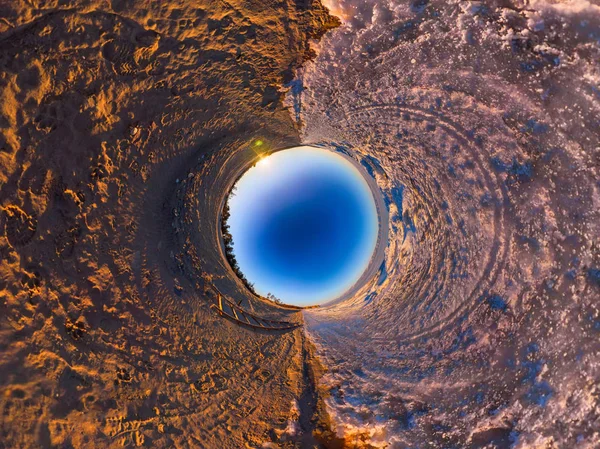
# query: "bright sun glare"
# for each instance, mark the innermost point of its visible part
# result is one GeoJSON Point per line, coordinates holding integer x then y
{"type": "Point", "coordinates": [263, 161]}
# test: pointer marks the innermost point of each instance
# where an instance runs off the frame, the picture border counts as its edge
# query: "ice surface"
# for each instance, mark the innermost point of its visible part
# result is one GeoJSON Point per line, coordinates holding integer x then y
{"type": "Point", "coordinates": [480, 122]}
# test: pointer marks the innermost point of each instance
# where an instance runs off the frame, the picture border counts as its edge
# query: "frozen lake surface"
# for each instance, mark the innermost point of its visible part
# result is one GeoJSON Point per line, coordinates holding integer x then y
{"type": "Point", "coordinates": [480, 122]}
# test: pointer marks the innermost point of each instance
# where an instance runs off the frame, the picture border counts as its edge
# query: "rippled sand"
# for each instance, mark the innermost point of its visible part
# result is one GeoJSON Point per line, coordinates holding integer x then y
{"type": "Point", "coordinates": [108, 113]}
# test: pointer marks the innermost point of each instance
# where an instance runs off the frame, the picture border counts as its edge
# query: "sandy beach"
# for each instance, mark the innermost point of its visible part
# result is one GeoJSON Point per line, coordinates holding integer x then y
{"type": "Point", "coordinates": [107, 336]}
